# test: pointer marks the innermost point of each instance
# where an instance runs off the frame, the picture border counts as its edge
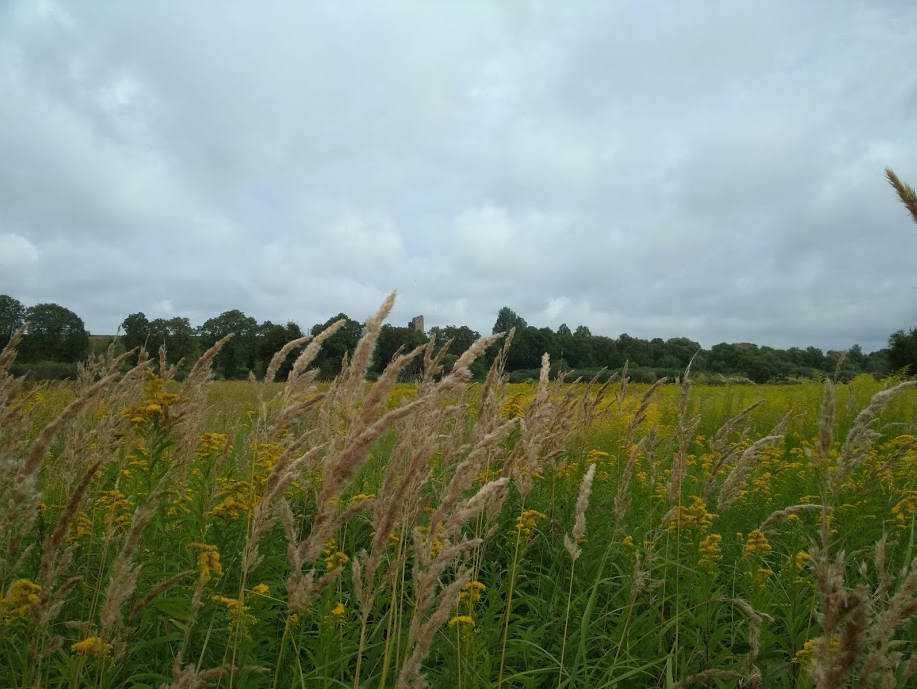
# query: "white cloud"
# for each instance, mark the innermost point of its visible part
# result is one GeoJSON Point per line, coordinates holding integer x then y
{"type": "Point", "coordinates": [298, 160]}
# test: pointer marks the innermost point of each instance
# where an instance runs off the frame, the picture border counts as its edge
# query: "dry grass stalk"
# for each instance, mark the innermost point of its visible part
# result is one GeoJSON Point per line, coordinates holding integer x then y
{"type": "Point", "coordinates": [906, 193]}
{"type": "Point", "coordinates": [780, 516]}
{"type": "Point", "coordinates": [281, 356]}
{"type": "Point", "coordinates": [862, 435]}
{"type": "Point", "coordinates": [578, 534]}
{"type": "Point", "coordinates": [684, 432]}
{"type": "Point", "coordinates": [738, 477]}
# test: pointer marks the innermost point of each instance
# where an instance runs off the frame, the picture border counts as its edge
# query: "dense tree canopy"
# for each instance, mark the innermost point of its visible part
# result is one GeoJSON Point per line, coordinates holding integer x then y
{"type": "Point", "coordinates": [12, 317]}
{"type": "Point", "coordinates": [237, 357]}
{"type": "Point", "coordinates": [53, 333]}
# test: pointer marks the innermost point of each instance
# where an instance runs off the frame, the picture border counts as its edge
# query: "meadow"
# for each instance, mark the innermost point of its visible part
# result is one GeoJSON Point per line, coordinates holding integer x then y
{"type": "Point", "coordinates": [452, 533]}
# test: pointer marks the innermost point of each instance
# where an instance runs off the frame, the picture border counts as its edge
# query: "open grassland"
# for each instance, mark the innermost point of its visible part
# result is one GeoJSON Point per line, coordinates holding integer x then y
{"type": "Point", "coordinates": [453, 533]}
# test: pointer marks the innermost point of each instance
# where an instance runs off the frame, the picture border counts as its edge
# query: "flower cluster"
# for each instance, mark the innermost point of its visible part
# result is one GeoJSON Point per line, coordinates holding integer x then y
{"type": "Point", "coordinates": [211, 444]}
{"type": "Point", "coordinates": [525, 522]}
{"type": "Point", "coordinates": [91, 645]}
{"type": "Point", "coordinates": [709, 548]}
{"type": "Point", "coordinates": [905, 509]}
{"type": "Point", "coordinates": [21, 598]}
{"type": "Point", "coordinates": [208, 561]}
{"type": "Point", "coordinates": [757, 544]}
{"type": "Point", "coordinates": [157, 408]}
{"type": "Point", "coordinates": [695, 516]}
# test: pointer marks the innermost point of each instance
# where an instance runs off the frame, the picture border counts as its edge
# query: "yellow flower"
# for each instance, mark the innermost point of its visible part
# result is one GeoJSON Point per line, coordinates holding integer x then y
{"type": "Point", "coordinates": [261, 589]}
{"type": "Point", "coordinates": [462, 621]}
{"type": "Point", "coordinates": [800, 559]}
{"type": "Point", "coordinates": [22, 596]}
{"type": "Point", "coordinates": [208, 561]}
{"type": "Point", "coordinates": [628, 541]}
{"type": "Point", "coordinates": [471, 592]}
{"type": "Point", "coordinates": [211, 444]}
{"type": "Point", "coordinates": [91, 645]}
{"type": "Point", "coordinates": [338, 612]}
{"type": "Point", "coordinates": [235, 609]}
{"type": "Point", "coordinates": [525, 522]}
{"type": "Point", "coordinates": [362, 497]}
{"type": "Point", "coordinates": [709, 548]}
{"type": "Point", "coordinates": [693, 516]}
{"type": "Point", "coordinates": [757, 544]}
{"type": "Point", "coordinates": [335, 560]}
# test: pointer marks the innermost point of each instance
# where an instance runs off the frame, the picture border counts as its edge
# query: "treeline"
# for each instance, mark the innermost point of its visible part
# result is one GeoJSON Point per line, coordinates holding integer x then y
{"type": "Point", "coordinates": [56, 339]}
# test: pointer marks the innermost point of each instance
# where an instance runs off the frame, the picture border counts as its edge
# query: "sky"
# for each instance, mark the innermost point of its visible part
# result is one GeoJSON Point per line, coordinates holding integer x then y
{"type": "Point", "coordinates": [708, 170]}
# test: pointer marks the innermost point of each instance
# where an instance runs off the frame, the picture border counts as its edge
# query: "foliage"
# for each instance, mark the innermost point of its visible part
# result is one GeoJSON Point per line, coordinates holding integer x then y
{"type": "Point", "coordinates": [53, 333]}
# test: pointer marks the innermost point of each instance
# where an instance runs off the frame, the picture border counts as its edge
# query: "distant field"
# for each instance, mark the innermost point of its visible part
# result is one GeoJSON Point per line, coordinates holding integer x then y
{"type": "Point", "coordinates": [378, 534]}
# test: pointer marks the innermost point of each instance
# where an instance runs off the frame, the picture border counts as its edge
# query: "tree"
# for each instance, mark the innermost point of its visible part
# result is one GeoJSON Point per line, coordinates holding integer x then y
{"type": "Point", "coordinates": [136, 329]}
{"type": "Point", "coordinates": [12, 317]}
{"type": "Point", "coordinates": [902, 350]}
{"type": "Point", "coordinates": [461, 335]}
{"type": "Point", "coordinates": [271, 338]}
{"type": "Point", "coordinates": [176, 335]}
{"type": "Point", "coordinates": [54, 333]}
{"type": "Point", "coordinates": [335, 347]}
{"type": "Point", "coordinates": [237, 357]}
{"type": "Point", "coordinates": [391, 340]}
{"type": "Point", "coordinates": [508, 319]}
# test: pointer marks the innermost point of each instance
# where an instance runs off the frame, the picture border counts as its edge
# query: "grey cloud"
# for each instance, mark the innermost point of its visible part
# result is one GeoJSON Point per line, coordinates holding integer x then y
{"type": "Point", "coordinates": [661, 169]}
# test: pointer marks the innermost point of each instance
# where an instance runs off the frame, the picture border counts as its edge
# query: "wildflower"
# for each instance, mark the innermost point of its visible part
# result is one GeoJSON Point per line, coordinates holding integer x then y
{"type": "Point", "coordinates": [462, 621]}
{"type": "Point", "coordinates": [208, 561]}
{"type": "Point", "coordinates": [693, 516]}
{"type": "Point", "coordinates": [709, 548]}
{"type": "Point", "coordinates": [525, 522]}
{"type": "Point", "coordinates": [338, 612]}
{"type": "Point", "coordinates": [235, 609]}
{"type": "Point", "coordinates": [362, 497]}
{"type": "Point", "coordinates": [471, 592]}
{"type": "Point", "coordinates": [757, 544]}
{"type": "Point", "coordinates": [800, 559]}
{"type": "Point", "coordinates": [595, 456]}
{"type": "Point", "coordinates": [261, 589]}
{"type": "Point", "coordinates": [91, 645]}
{"type": "Point", "coordinates": [22, 596]}
{"type": "Point", "coordinates": [513, 408]}
{"type": "Point", "coordinates": [628, 541]}
{"type": "Point", "coordinates": [211, 444]}
{"type": "Point", "coordinates": [763, 574]}
{"type": "Point", "coordinates": [335, 560]}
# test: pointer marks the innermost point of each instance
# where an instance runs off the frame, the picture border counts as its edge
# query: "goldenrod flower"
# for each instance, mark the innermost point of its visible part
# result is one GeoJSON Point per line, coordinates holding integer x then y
{"type": "Point", "coordinates": [91, 645]}
{"type": "Point", "coordinates": [757, 544]}
{"type": "Point", "coordinates": [800, 559]}
{"type": "Point", "coordinates": [261, 589]}
{"type": "Point", "coordinates": [462, 621]}
{"type": "Point", "coordinates": [338, 612]}
{"type": "Point", "coordinates": [525, 522]}
{"type": "Point", "coordinates": [709, 548]}
{"type": "Point", "coordinates": [22, 596]}
{"type": "Point", "coordinates": [335, 560]}
{"type": "Point", "coordinates": [471, 592]}
{"type": "Point", "coordinates": [208, 561]}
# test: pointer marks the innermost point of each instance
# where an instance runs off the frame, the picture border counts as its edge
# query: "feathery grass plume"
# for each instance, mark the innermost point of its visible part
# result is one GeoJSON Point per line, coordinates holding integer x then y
{"type": "Point", "coordinates": [8, 355]}
{"type": "Point", "coordinates": [572, 543]}
{"type": "Point", "coordinates": [882, 663]}
{"type": "Point", "coordinates": [826, 418]}
{"type": "Point", "coordinates": [906, 193]}
{"type": "Point", "coordinates": [842, 614]}
{"type": "Point", "coordinates": [724, 448]}
{"type": "Point", "coordinates": [780, 516]}
{"type": "Point", "coordinates": [363, 352]}
{"type": "Point", "coordinates": [756, 620]}
{"type": "Point", "coordinates": [622, 388]}
{"type": "Point", "coordinates": [201, 371]}
{"type": "Point", "coordinates": [738, 477]}
{"type": "Point", "coordinates": [862, 435]}
{"type": "Point", "coordinates": [307, 356]}
{"type": "Point", "coordinates": [684, 432]}
{"type": "Point", "coordinates": [281, 355]}
{"type": "Point", "coordinates": [578, 534]}
{"type": "Point", "coordinates": [382, 388]}
{"type": "Point", "coordinates": [49, 569]}
{"type": "Point", "coordinates": [156, 591]}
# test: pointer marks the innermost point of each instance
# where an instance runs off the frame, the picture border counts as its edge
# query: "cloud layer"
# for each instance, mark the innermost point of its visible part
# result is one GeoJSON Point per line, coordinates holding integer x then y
{"type": "Point", "coordinates": [661, 169]}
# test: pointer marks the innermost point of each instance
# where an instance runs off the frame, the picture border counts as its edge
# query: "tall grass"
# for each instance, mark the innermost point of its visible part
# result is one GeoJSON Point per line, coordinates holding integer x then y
{"type": "Point", "coordinates": [448, 533]}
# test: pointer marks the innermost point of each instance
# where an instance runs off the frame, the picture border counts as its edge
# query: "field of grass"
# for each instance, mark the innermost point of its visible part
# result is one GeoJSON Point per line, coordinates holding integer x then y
{"type": "Point", "coordinates": [451, 533]}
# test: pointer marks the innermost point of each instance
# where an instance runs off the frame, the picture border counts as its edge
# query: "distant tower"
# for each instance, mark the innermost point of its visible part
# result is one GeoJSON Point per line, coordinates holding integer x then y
{"type": "Point", "coordinates": [416, 323]}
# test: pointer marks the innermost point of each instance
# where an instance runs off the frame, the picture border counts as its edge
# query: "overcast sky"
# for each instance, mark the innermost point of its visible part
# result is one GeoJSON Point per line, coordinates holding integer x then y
{"type": "Point", "coordinates": [661, 169]}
